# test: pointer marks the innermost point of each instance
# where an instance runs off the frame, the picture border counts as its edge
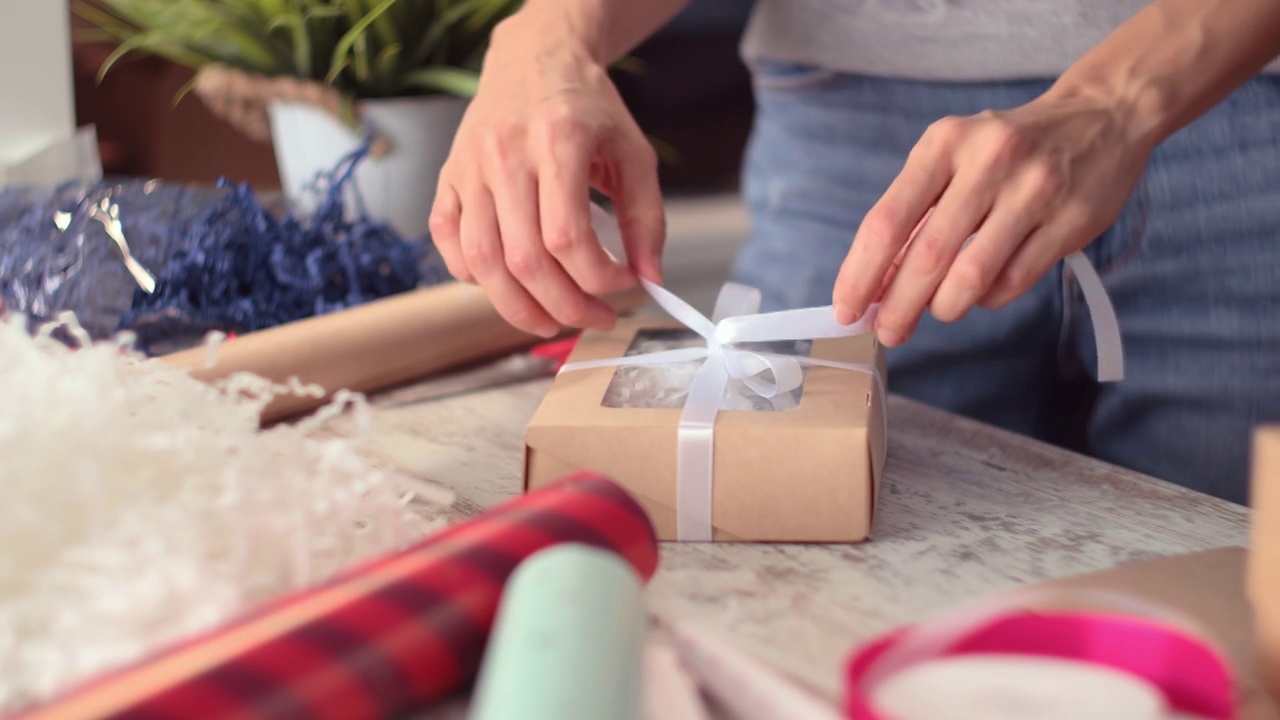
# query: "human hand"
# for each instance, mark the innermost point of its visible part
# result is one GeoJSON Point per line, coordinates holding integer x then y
{"type": "Point", "coordinates": [1029, 186]}
{"type": "Point", "coordinates": [511, 212]}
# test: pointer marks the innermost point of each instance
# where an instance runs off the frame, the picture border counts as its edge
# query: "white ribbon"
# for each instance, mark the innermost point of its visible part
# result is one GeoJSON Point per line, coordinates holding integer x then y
{"type": "Point", "coordinates": [767, 374]}
{"type": "Point", "coordinates": [1106, 328]}
{"type": "Point", "coordinates": [737, 320]}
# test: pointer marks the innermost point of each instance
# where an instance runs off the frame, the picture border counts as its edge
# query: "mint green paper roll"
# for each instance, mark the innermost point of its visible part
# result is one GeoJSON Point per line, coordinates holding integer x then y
{"type": "Point", "coordinates": [567, 642]}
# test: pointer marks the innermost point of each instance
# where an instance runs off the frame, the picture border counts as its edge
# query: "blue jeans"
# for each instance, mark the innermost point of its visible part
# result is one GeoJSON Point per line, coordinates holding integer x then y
{"type": "Point", "coordinates": [1192, 266]}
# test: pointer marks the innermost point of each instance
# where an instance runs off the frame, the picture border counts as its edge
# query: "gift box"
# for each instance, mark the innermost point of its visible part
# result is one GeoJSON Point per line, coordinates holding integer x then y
{"type": "Point", "coordinates": [739, 427]}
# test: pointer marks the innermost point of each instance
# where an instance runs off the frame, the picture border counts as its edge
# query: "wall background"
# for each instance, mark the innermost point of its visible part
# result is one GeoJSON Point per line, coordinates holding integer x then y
{"type": "Point", "coordinates": [35, 55]}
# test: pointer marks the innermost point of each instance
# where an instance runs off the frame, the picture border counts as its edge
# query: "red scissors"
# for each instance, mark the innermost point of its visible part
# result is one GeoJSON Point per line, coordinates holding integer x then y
{"type": "Point", "coordinates": [542, 360]}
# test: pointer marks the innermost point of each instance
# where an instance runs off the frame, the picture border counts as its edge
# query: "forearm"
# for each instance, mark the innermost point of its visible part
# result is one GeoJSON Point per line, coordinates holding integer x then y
{"type": "Point", "coordinates": [1176, 59]}
{"type": "Point", "coordinates": [604, 29]}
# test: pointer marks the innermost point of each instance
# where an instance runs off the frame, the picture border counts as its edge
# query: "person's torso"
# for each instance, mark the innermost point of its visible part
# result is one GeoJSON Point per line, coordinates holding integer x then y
{"type": "Point", "coordinates": [954, 40]}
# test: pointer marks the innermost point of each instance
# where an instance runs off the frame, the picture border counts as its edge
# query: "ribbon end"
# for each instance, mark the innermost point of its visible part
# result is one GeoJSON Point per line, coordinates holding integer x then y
{"type": "Point", "coordinates": [1109, 372]}
{"type": "Point", "coordinates": [693, 532]}
{"type": "Point", "coordinates": [1106, 327]}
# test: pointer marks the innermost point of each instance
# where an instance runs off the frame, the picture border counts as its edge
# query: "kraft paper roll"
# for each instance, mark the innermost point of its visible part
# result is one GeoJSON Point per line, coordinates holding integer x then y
{"type": "Point", "coordinates": [567, 642]}
{"type": "Point", "coordinates": [381, 640]}
{"type": "Point", "coordinates": [743, 686]}
{"type": "Point", "coordinates": [1264, 554]}
{"type": "Point", "coordinates": [373, 346]}
{"type": "Point", "coordinates": [670, 690]}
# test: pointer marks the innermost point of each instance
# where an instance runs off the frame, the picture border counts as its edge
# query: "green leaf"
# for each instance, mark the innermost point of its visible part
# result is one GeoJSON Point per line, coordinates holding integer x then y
{"type": "Point", "coordinates": [365, 48]}
{"type": "Point", "coordinates": [324, 11]}
{"type": "Point", "coordinates": [489, 12]}
{"type": "Point", "coordinates": [446, 20]}
{"type": "Point", "coordinates": [387, 64]}
{"type": "Point", "coordinates": [296, 24]}
{"type": "Point", "coordinates": [631, 64]}
{"type": "Point", "coordinates": [384, 26]}
{"type": "Point", "coordinates": [352, 36]}
{"type": "Point", "coordinates": [666, 152]}
{"type": "Point", "coordinates": [83, 36]}
{"type": "Point", "coordinates": [360, 59]}
{"type": "Point", "coordinates": [185, 90]}
{"type": "Point", "coordinates": [448, 80]}
{"type": "Point", "coordinates": [347, 112]}
{"type": "Point", "coordinates": [104, 21]}
{"type": "Point", "coordinates": [121, 50]}
{"type": "Point", "coordinates": [152, 45]}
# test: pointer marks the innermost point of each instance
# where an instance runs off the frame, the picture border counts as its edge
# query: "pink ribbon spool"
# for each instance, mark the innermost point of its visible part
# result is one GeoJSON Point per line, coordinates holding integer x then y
{"type": "Point", "coordinates": [1194, 678]}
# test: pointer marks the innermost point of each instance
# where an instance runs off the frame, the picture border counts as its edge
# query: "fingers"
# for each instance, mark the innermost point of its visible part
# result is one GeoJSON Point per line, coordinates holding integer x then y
{"type": "Point", "coordinates": [1016, 214]}
{"type": "Point", "coordinates": [512, 211]}
{"type": "Point", "coordinates": [446, 215]}
{"type": "Point", "coordinates": [1026, 186]}
{"type": "Point", "coordinates": [897, 261]}
{"type": "Point", "coordinates": [929, 256]}
{"type": "Point", "coordinates": [1029, 263]}
{"type": "Point", "coordinates": [1035, 257]}
{"type": "Point", "coordinates": [888, 224]}
{"type": "Point", "coordinates": [563, 194]}
{"type": "Point", "coordinates": [979, 263]}
{"type": "Point", "coordinates": [526, 253]}
{"type": "Point", "coordinates": [483, 255]}
{"type": "Point", "coordinates": [638, 203]}
{"type": "Point", "coordinates": [997, 198]}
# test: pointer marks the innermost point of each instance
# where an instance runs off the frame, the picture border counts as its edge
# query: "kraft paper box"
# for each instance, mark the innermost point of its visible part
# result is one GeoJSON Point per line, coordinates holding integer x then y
{"type": "Point", "coordinates": [1208, 588]}
{"type": "Point", "coordinates": [803, 467]}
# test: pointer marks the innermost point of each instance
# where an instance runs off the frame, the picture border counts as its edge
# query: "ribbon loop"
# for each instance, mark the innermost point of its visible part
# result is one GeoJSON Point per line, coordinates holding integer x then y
{"type": "Point", "coordinates": [736, 299]}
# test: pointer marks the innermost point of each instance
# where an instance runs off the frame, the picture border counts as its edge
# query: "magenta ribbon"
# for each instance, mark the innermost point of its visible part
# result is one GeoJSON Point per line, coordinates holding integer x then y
{"type": "Point", "coordinates": [1194, 677]}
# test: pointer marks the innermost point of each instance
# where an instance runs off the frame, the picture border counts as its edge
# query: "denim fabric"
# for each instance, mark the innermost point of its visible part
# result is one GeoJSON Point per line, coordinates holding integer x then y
{"type": "Point", "coordinates": [1192, 266]}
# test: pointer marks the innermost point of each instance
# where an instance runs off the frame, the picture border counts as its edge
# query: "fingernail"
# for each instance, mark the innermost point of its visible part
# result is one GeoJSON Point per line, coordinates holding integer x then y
{"type": "Point", "coordinates": [656, 272]}
{"type": "Point", "coordinates": [845, 314]}
{"type": "Point", "coordinates": [889, 338]}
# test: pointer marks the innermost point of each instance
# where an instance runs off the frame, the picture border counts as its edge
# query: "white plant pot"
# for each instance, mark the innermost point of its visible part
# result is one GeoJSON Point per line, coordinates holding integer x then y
{"type": "Point", "coordinates": [397, 188]}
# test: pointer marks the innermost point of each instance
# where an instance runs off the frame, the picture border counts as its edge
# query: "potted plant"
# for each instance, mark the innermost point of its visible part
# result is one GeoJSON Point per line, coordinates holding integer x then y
{"type": "Point", "coordinates": [314, 76]}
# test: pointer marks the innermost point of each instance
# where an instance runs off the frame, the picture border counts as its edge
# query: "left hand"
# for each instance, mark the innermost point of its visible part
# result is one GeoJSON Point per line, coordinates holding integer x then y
{"type": "Point", "coordinates": [1030, 185]}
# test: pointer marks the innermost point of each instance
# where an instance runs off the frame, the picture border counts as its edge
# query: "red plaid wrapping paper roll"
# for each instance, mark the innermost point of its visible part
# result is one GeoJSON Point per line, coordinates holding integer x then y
{"type": "Point", "coordinates": [387, 637]}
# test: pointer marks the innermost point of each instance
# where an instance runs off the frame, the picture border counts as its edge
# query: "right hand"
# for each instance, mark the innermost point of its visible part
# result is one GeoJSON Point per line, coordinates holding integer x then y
{"type": "Point", "coordinates": [511, 212]}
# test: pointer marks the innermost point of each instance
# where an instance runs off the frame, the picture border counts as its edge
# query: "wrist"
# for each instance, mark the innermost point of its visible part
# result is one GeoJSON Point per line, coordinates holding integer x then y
{"type": "Point", "coordinates": [573, 29]}
{"type": "Point", "coordinates": [1173, 61]}
{"type": "Point", "coordinates": [1144, 107]}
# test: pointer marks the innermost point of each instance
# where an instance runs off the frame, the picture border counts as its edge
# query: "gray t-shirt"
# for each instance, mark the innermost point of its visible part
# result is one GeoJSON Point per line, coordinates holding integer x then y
{"type": "Point", "coordinates": [952, 40]}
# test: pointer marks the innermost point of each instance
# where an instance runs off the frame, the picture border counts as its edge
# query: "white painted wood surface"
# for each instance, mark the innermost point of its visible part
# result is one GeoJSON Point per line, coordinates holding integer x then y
{"type": "Point", "coordinates": [965, 510]}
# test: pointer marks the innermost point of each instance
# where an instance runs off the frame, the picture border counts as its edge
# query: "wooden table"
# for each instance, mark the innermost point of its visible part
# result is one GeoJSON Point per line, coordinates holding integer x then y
{"type": "Point", "coordinates": [965, 510]}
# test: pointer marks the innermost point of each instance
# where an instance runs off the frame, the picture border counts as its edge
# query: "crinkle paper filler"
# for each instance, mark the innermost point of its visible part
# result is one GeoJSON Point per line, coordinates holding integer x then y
{"type": "Point", "coordinates": [139, 506]}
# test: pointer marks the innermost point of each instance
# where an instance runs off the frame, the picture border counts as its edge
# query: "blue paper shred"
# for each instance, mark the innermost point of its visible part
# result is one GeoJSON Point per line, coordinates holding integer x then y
{"type": "Point", "coordinates": [221, 259]}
